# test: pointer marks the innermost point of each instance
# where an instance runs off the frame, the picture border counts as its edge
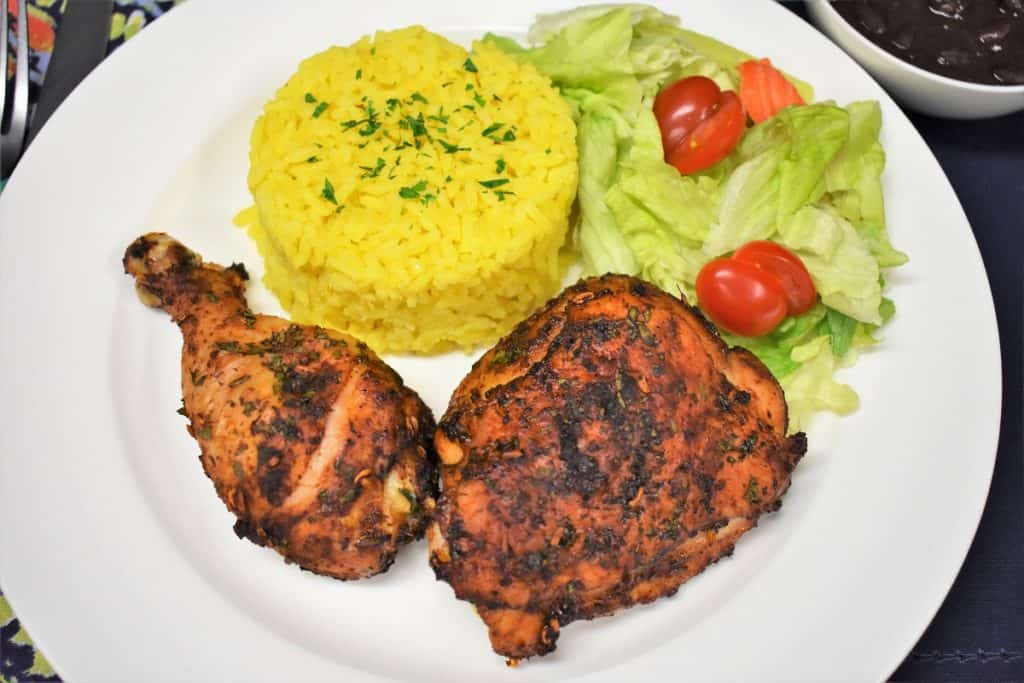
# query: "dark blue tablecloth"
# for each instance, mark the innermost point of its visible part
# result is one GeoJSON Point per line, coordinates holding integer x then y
{"type": "Point", "coordinates": [978, 633]}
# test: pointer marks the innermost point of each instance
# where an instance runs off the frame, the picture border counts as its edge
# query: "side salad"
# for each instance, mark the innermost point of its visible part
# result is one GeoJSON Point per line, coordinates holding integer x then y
{"type": "Point", "coordinates": [803, 176]}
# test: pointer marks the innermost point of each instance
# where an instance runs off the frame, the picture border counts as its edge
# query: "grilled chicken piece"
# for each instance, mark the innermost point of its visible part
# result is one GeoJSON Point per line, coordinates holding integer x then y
{"type": "Point", "coordinates": [310, 439]}
{"type": "Point", "coordinates": [607, 450]}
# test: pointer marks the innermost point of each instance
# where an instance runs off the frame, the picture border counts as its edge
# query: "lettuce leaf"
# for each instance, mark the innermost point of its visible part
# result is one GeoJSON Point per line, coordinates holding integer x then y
{"type": "Point", "coordinates": [808, 178]}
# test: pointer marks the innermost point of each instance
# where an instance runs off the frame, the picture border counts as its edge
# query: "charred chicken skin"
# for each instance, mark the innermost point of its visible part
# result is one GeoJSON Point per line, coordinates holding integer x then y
{"type": "Point", "coordinates": [607, 450]}
{"type": "Point", "coordinates": [310, 440]}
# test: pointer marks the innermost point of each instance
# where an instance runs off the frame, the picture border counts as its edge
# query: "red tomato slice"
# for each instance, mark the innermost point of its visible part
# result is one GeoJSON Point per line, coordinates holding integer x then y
{"type": "Point", "coordinates": [682, 106]}
{"type": "Point", "coordinates": [699, 123]}
{"type": "Point", "coordinates": [740, 297]}
{"type": "Point", "coordinates": [713, 139]}
{"type": "Point", "coordinates": [787, 267]}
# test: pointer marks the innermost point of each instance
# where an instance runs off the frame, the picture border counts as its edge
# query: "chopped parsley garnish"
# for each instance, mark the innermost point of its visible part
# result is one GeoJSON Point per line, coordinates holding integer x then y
{"type": "Point", "coordinates": [313, 159]}
{"type": "Point", "coordinates": [413, 191]}
{"type": "Point", "coordinates": [491, 184]}
{"type": "Point", "coordinates": [479, 100]}
{"type": "Point", "coordinates": [372, 124]}
{"type": "Point", "coordinates": [392, 103]}
{"type": "Point", "coordinates": [509, 135]}
{"type": "Point", "coordinates": [310, 98]}
{"type": "Point", "coordinates": [328, 192]}
{"type": "Point", "coordinates": [501, 194]}
{"type": "Point", "coordinates": [469, 86]}
{"type": "Point", "coordinates": [417, 125]}
{"type": "Point", "coordinates": [373, 171]}
{"type": "Point", "coordinates": [499, 167]}
{"type": "Point", "coordinates": [491, 129]}
{"type": "Point", "coordinates": [359, 74]}
{"type": "Point", "coordinates": [319, 110]}
{"type": "Point", "coordinates": [469, 66]}
{"type": "Point", "coordinates": [547, 151]}
{"type": "Point", "coordinates": [446, 84]}
{"type": "Point", "coordinates": [452, 149]}
{"type": "Point", "coordinates": [416, 97]}
{"type": "Point", "coordinates": [427, 198]}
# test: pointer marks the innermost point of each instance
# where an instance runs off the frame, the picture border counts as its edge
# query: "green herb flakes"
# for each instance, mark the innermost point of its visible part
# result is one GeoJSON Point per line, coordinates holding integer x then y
{"type": "Point", "coordinates": [499, 166]}
{"type": "Point", "coordinates": [753, 493]}
{"type": "Point", "coordinates": [328, 192]}
{"type": "Point", "coordinates": [417, 125]}
{"type": "Point", "coordinates": [319, 110]}
{"type": "Point", "coordinates": [469, 66]}
{"type": "Point", "coordinates": [452, 149]}
{"type": "Point", "coordinates": [313, 159]}
{"type": "Point", "coordinates": [509, 135]}
{"type": "Point", "coordinates": [413, 191]}
{"type": "Point", "coordinates": [359, 74]}
{"type": "Point", "coordinates": [491, 184]}
{"type": "Point", "coordinates": [373, 171]}
{"type": "Point", "coordinates": [491, 129]}
{"type": "Point", "coordinates": [416, 97]}
{"type": "Point", "coordinates": [310, 98]}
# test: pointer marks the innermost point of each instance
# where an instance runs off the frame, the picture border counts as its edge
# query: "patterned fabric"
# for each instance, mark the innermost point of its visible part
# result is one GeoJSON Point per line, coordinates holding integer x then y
{"type": "Point", "coordinates": [129, 17]}
{"type": "Point", "coordinates": [19, 660]}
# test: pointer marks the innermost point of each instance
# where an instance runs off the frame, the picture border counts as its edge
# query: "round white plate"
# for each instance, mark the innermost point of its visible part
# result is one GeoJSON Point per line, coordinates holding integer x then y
{"type": "Point", "coordinates": [120, 559]}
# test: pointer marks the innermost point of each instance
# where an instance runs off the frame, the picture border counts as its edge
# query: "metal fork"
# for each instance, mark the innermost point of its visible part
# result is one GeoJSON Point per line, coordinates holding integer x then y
{"type": "Point", "coordinates": [12, 138]}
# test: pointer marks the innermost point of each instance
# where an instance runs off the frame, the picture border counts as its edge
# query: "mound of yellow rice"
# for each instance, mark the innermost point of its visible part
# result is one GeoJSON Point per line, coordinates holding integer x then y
{"type": "Point", "coordinates": [413, 194]}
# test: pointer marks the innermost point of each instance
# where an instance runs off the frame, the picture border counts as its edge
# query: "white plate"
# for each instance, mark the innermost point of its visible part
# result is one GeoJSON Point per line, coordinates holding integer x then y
{"type": "Point", "coordinates": [121, 561]}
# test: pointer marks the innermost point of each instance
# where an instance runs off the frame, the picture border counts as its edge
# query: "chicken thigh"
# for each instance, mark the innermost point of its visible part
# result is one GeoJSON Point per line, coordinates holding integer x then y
{"type": "Point", "coordinates": [312, 442]}
{"type": "Point", "coordinates": [607, 450]}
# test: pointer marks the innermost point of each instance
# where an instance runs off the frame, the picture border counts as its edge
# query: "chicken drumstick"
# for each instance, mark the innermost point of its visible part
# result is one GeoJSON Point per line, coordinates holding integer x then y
{"type": "Point", "coordinates": [310, 439]}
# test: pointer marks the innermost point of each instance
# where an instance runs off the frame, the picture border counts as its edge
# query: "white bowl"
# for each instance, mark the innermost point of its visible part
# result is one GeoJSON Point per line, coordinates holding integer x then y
{"type": "Point", "coordinates": [912, 86]}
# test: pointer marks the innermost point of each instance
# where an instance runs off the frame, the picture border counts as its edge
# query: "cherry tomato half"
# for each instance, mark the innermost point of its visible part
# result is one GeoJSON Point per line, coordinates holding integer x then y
{"type": "Point", "coordinates": [741, 297]}
{"type": "Point", "coordinates": [700, 124]}
{"type": "Point", "coordinates": [787, 267]}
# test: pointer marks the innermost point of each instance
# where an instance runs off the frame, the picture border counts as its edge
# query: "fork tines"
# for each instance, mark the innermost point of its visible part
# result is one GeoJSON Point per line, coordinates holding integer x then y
{"type": "Point", "coordinates": [13, 114]}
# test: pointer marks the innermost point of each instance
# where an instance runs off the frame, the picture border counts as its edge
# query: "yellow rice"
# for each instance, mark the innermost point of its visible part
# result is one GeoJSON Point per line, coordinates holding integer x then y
{"type": "Point", "coordinates": [413, 254]}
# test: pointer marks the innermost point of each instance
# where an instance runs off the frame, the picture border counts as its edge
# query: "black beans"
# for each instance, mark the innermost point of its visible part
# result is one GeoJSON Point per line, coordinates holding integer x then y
{"type": "Point", "coordinates": [951, 9]}
{"type": "Point", "coordinates": [872, 20]}
{"type": "Point", "coordinates": [994, 33]}
{"type": "Point", "coordinates": [903, 38]}
{"type": "Point", "coordinates": [953, 57]}
{"type": "Point", "coordinates": [981, 41]}
{"type": "Point", "coordinates": [1009, 75]}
